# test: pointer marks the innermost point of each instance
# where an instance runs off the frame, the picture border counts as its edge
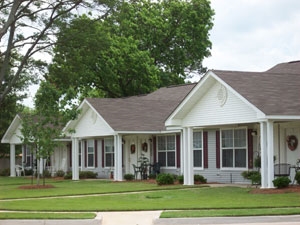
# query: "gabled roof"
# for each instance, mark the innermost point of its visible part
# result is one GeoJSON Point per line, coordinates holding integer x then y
{"type": "Point", "coordinates": [11, 129]}
{"type": "Point", "coordinates": [141, 113]}
{"type": "Point", "coordinates": [274, 92]}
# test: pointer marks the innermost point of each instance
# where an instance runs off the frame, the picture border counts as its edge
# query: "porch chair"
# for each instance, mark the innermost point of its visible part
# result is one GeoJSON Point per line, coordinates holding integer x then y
{"type": "Point", "coordinates": [282, 170]}
{"type": "Point", "coordinates": [137, 170]}
{"type": "Point", "coordinates": [19, 170]}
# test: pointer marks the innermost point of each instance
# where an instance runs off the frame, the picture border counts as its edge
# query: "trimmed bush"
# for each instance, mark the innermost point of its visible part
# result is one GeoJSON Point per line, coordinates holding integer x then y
{"type": "Point", "coordinates": [87, 175]}
{"type": "Point", "coordinates": [164, 178]}
{"type": "Point", "coordinates": [5, 172]}
{"type": "Point", "coordinates": [297, 177]}
{"type": "Point", "coordinates": [254, 176]}
{"type": "Point", "coordinates": [281, 182]}
{"type": "Point", "coordinates": [128, 176]}
{"type": "Point", "coordinates": [68, 175]}
{"type": "Point", "coordinates": [60, 173]}
{"type": "Point", "coordinates": [199, 178]}
{"type": "Point", "coordinates": [180, 179]}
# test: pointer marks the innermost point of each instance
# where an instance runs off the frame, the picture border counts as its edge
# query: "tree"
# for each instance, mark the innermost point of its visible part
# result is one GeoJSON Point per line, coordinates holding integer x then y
{"type": "Point", "coordinates": [27, 32]}
{"type": "Point", "coordinates": [138, 47]}
{"type": "Point", "coordinates": [42, 128]}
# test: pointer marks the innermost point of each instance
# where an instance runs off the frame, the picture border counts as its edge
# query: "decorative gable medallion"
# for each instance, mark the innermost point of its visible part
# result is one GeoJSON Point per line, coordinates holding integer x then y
{"type": "Point", "coordinates": [222, 95]}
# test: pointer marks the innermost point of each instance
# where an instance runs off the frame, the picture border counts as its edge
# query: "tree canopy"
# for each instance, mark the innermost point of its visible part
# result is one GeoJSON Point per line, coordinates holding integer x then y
{"type": "Point", "coordinates": [136, 48]}
{"type": "Point", "coordinates": [28, 30]}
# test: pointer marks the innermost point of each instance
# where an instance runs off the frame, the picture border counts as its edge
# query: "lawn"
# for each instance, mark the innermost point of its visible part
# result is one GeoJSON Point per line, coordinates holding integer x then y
{"type": "Point", "coordinates": [99, 195]}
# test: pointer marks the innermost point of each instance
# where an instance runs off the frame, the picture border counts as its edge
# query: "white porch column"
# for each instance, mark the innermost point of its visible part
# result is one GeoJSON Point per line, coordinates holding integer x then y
{"type": "Point", "coordinates": [188, 156]}
{"type": "Point", "coordinates": [75, 159]}
{"type": "Point", "coordinates": [270, 147]}
{"type": "Point", "coordinates": [12, 160]}
{"type": "Point", "coordinates": [264, 161]}
{"type": "Point", "coordinates": [118, 175]}
{"type": "Point", "coordinates": [181, 153]}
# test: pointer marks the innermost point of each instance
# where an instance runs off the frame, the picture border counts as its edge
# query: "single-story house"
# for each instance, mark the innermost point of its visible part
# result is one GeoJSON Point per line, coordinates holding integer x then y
{"type": "Point", "coordinates": [216, 128]}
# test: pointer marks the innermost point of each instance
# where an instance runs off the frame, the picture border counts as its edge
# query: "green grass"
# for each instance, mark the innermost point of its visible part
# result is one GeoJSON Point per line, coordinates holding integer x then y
{"type": "Point", "coordinates": [10, 187]}
{"type": "Point", "coordinates": [100, 195]}
{"type": "Point", "coordinates": [45, 216]}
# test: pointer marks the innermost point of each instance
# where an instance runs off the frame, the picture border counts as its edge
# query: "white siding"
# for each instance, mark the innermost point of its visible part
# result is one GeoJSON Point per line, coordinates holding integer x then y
{"type": "Point", "coordinates": [15, 139]}
{"type": "Point", "coordinates": [91, 125]}
{"type": "Point", "coordinates": [209, 111]}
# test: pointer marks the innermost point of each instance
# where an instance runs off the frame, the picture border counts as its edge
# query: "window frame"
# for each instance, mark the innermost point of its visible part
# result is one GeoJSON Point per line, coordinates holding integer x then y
{"type": "Point", "coordinates": [234, 149]}
{"type": "Point", "coordinates": [88, 153]}
{"type": "Point", "coordinates": [198, 149]}
{"type": "Point", "coordinates": [166, 150]}
{"type": "Point", "coordinates": [111, 151]}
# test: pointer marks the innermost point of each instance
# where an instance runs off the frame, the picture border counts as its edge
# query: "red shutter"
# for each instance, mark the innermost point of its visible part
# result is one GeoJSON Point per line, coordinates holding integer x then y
{"type": "Point", "coordinates": [154, 149]}
{"type": "Point", "coordinates": [85, 153]}
{"type": "Point", "coordinates": [250, 149]}
{"type": "Point", "coordinates": [102, 153]}
{"type": "Point", "coordinates": [205, 148]}
{"type": "Point", "coordinates": [24, 153]}
{"type": "Point", "coordinates": [218, 149]}
{"type": "Point", "coordinates": [178, 150]}
{"type": "Point", "coordinates": [96, 153]}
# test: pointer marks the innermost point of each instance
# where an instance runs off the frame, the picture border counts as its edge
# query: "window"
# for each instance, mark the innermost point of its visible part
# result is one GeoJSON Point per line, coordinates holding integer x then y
{"type": "Point", "coordinates": [166, 150]}
{"type": "Point", "coordinates": [90, 153]}
{"type": "Point", "coordinates": [28, 160]}
{"type": "Point", "coordinates": [197, 148]}
{"type": "Point", "coordinates": [79, 154]}
{"type": "Point", "coordinates": [234, 148]}
{"type": "Point", "coordinates": [109, 152]}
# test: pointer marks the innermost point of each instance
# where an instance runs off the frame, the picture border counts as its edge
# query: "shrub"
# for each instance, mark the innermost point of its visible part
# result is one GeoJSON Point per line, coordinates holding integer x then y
{"type": "Point", "coordinates": [5, 172]}
{"type": "Point", "coordinates": [87, 175]}
{"type": "Point", "coordinates": [128, 176]}
{"type": "Point", "coordinates": [164, 178]}
{"type": "Point", "coordinates": [68, 175]}
{"type": "Point", "coordinates": [199, 178]}
{"type": "Point", "coordinates": [47, 173]}
{"type": "Point", "coordinates": [281, 182]}
{"type": "Point", "coordinates": [254, 176]}
{"type": "Point", "coordinates": [180, 179]}
{"type": "Point", "coordinates": [297, 177]}
{"type": "Point", "coordinates": [60, 173]}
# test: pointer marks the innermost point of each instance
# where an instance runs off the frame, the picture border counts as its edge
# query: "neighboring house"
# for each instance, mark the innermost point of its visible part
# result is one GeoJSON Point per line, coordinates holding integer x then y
{"type": "Point", "coordinates": [215, 128]}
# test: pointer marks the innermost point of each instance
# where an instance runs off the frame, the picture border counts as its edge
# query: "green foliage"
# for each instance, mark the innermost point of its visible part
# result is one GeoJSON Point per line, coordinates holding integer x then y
{"type": "Point", "coordinates": [180, 179]}
{"type": "Point", "coordinates": [281, 182]}
{"type": "Point", "coordinates": [5, 172]}
{"type": "Point", "coordinates": [68, 175]}
{"type": "Point", "coordinates": [46, 174]}
{"type": "Point", "coordinates": [254, 176]}
{"type": "Point", "coordinates": [199, 178]}
{"type": "Point", "coordinates": [138, 47]}
{"type": "Point", "coordinates": [128, 176]}
{"type": "Point", "coordinates": [165, 178]}
{"type": "Point", "coordinates": [297, 177]}
{"type": "Point", "coordinates": [60, 173]}
{"type": "Point", "coordinates": [87, 175]}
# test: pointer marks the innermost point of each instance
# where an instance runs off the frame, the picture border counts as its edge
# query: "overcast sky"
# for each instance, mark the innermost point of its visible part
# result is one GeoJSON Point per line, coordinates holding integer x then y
{"type": "Point", "coordinates": [251, 35]}
{"type": "Point", "coordinates": [254, 35]}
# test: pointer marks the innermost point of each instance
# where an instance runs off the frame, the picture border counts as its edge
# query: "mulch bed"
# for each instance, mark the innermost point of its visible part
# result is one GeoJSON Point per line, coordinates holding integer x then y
{"type": "Point", "coordinates": [35, 186]}
{"type": "Point", "coordinates": [289, 189]}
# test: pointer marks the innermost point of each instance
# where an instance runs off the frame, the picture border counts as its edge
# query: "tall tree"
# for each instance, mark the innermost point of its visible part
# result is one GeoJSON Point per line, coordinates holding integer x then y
{"type": "Point", "coordinates": [137, 48]}
{"type": "Point", "coordinates": [28, 27]}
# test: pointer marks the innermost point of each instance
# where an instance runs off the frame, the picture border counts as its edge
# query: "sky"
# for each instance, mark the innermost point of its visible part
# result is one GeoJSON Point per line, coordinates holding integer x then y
{"type": "Point", "coordinates": [249, 35]}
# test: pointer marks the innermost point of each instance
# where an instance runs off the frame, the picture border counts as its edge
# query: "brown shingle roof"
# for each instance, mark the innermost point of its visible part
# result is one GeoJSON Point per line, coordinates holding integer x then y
{"type": "Point", "coordinates": [141, 113]}
{"type": "Point", "coordinates": [274, 92]}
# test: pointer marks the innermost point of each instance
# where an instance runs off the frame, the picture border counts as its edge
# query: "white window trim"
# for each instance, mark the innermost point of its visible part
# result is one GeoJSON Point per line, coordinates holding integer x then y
{"type": "Point", "coordinates": [165, 151]}
{"type": "Point", "coordinates": [87, 153]}
{"type": "Point", "coordinates": [221, 151]}
{"type": "Point", "coordinates": [113, 152]}
{"type": "Point", "coordinates": [202, 149]}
